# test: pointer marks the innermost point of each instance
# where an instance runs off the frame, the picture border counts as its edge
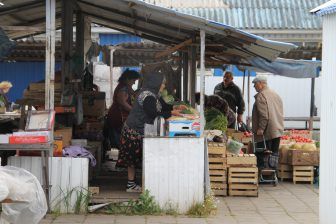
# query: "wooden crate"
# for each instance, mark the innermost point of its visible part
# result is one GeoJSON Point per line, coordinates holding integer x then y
{"type": "Point", "coordinates": [217, 175]}
{"type": "Point", "coordinates": [215, 148]}
{"type": "Point", "coordinates": [303, 174]}
{"type": "Point", "coordinates": [218, 181]}
{"type": "Point", "coordinates": [246, 175]}
{"type": "Point", "coordinates": [219, 188]}
{"type": "Point", "coordinates": [217, 163]}
{"type": "Point", "coordinates": [241, 160]}
{"type": "Point", "coordinates": [243, 190]}
{"type": "Point", "coordinates": [285, 171]}
{"type": "Point", "coordinates": [243, 181]}
{"type": "Point", "coordinates": [220, 192]}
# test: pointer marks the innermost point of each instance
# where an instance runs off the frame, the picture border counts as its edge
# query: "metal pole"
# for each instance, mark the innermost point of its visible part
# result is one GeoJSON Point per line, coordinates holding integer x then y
{"type": "Point", "coordinates": [243, 92]}
{"type": "Point", "coordinates": [248, 121]}
{"type": "Point", "coordinates": [112, 49]}
{"type": "Point", "coordinates": [50, 54]}
{"type": "Point", "coordinates": [185, 76]}
{"type": "Point", "coordinates": [312, 104]}
{"type": "Point", "coordinates": [202, 80]}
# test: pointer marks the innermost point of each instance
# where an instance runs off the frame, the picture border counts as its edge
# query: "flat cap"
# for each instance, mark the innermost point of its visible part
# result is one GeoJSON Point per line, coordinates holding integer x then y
{"type": "Point", "coordinates": [260, 78]}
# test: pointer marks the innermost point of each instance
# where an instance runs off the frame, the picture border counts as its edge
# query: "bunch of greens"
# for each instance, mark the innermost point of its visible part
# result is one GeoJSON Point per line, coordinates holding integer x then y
{"type": "Point", "coordinates": [215, 120]}
{"type": "Point", "coordinates": [169, 99]}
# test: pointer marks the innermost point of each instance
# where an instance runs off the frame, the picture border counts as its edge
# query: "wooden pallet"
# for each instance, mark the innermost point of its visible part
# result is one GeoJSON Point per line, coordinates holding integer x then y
{"type": "Point", "coordinates": [215, 148]}
{"type": "Point", "coordinates": [303, 174]}
{"type": "Point", "coordinates": [241, 160]}
{"type": "Point", "coordinates": [285, 171]}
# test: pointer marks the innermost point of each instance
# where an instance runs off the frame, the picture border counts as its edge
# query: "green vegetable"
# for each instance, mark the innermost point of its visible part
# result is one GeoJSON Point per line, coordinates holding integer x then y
{"type": "Point", "coordinates": [168, 99]}
{"type": "Point", "coordinates": [211, 114]}
{"type": "Point", "coordinates": [186, 111]}
{"type": "Point", "coordinates": [215, 120]}
{"type": "Point", "coordinates": [164, 93]}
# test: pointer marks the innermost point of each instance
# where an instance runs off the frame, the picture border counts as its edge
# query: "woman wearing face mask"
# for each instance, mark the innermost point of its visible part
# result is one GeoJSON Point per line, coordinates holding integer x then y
{"type": "Point", "coordinates": [122, 105]}
{"type": "Point", "coordinates": [147, 106]}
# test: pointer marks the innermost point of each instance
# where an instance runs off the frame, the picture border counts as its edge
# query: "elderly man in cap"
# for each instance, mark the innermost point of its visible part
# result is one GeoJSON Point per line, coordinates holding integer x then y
{"type": "Point", "coordinates": [267, 120]}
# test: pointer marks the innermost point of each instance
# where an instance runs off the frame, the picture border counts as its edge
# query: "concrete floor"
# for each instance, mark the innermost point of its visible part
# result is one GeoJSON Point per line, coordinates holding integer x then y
{"type": "Point", "coordinates": [285, 204]}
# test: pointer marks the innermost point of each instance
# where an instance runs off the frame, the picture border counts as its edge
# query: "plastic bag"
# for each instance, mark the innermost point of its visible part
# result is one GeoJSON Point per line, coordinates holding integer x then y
{"type": "Point", "coordinates": [233, 146]}
{"type": "Point", "coordinates": [25, 189]}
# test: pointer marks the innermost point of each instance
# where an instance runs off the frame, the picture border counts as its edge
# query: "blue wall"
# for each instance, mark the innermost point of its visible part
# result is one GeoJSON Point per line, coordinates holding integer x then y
{"type": "Point", "coordinates": [20, 74]}
{"type": "Point", "coordinates": [234, 70]}
{"type": "Point", "coordinates": [113, 39]}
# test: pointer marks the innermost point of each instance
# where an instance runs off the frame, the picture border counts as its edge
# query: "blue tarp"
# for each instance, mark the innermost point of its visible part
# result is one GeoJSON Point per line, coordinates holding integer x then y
{"type": "Point", "coordinates": [288, 67]}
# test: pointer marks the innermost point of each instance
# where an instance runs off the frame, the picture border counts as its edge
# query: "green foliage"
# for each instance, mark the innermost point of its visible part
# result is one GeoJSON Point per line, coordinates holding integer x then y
{"type": "Point", "coordinates": [169, 99]}
{"type": "Point", "coordinates": [203, 209]}
{"type": "Point", "coordinates": [145, 205]}
{"type": "Point", "coordinates": [79, 195]}
{"type": "Point", "coordinates": [215, 120]}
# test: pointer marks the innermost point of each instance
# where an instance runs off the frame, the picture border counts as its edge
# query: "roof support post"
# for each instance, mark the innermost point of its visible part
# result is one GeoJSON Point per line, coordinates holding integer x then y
{"type": "Point", "coordinates": [50, 54]}
{"type": "Point", "coordinates": [83, 40]}
{"type": "Point", "coordinates": [185, 76]}
{"type": "Point", "coordinates": [67, 41]}
{"type": "Point", "coordinates": [192, 74]}
{"type": "Point", "coordinates": [312, 105]}
{"type": "Point", "coordinates": [202, 80]}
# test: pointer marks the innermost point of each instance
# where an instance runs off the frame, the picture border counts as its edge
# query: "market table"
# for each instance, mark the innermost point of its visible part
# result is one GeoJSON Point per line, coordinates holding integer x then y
{"type": "Point", "coordinates": [46, 150]}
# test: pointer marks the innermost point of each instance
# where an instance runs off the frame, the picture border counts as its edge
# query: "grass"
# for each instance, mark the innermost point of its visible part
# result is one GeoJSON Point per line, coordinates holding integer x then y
{"type": "Point", "coordinates": [146, 205]}
{"type": "Point", "coordinates": [63, 203]}
{"type": "Point", "coordinates": [208, 207]}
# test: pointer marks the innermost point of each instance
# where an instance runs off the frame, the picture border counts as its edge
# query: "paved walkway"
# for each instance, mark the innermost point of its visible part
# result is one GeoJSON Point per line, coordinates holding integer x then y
{"type": "Point", "coordinates": [285, 204]}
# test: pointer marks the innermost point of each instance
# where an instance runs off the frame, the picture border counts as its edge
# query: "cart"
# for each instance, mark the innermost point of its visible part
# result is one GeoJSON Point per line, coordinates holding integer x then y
{"type": "Point", "coordinates": [267, 174]}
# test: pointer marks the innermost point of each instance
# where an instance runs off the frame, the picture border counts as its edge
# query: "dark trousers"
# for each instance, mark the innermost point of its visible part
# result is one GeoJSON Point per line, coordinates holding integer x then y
{"type": "Point", "coordinates": [272, 145]}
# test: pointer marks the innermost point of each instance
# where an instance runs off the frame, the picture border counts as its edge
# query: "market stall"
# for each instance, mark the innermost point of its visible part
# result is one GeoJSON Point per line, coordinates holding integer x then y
{"type": "Point", "coordinates": [194, 42]}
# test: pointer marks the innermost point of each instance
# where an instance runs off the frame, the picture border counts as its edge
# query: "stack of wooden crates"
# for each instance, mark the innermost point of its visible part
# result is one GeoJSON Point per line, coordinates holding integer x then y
{"type": "Point", "coordinates": [242, 175]}
{"type": "Point", "coordinates": [217, 168]}
{"type": "Point", "coordinates": [297, 165]}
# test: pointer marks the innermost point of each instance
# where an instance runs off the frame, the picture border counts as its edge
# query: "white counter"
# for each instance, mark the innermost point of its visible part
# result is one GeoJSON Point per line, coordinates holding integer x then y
{"type": "Point", "coordinates": [173, 171]}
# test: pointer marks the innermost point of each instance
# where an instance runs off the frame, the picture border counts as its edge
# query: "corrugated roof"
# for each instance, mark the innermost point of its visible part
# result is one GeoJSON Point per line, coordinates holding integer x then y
{"type": "Point", "coordinates": [325, 9]}
{"type": "Point", "coordinates": [254, 14]}
{"type": "Point", "coordinates": [228, 44]}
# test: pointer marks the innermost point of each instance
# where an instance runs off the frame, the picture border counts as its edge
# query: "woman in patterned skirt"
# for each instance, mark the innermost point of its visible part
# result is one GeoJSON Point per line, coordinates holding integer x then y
{"type": "Point", "coordinates": [147, 106]}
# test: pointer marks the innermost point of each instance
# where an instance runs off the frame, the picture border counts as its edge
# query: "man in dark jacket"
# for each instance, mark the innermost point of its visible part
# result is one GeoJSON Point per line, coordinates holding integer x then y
{"type": "Point", "coordinates": [232, 94]}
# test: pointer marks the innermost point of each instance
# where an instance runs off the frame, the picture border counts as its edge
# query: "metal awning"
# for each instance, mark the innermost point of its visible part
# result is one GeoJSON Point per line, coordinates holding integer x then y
{"type": "Point", "coordinates": [224, 44]}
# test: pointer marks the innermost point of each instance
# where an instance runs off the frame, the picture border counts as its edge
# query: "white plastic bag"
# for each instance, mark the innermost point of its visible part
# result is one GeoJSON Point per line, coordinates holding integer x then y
{"type": "Point", "coordinates": [24, 188]}
{"type": "Point", "coordinates": [233, 146]}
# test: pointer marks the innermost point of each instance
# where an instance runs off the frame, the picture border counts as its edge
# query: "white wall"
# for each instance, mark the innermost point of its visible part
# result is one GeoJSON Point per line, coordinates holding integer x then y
{"type": "Point", "coordinates": [328, 121]}
{"type": "Point", "coordinates": [295, 94]}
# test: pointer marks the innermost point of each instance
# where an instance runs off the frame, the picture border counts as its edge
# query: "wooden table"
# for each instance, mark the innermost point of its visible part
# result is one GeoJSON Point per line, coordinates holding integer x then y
{"type": "Point", "coordinates": [46, 150]}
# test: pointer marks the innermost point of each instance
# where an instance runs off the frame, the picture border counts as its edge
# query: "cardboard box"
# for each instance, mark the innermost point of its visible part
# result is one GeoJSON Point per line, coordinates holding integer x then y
{"type": "Point", "coordinates": [27, 139]}
{"type": "Point", "coordinates": [94, 104]}
{"type": "Point", "coordinates": [58, 148]}
{"type": "Point", "coordinates": [65, 134]}
{"type": "Point", "coordinates": [303, 158]}
{"type": "Point", "coordinates": [4, 139]}
{"type": "Point", "coordinates": [283, 155]}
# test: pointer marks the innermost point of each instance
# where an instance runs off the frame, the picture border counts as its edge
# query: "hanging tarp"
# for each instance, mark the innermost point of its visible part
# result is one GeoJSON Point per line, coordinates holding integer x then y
{"type": "Point", "coordinates": [287, 67]}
